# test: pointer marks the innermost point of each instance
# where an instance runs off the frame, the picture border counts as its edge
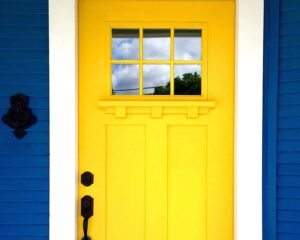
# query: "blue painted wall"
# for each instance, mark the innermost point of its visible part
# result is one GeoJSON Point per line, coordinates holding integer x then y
{"type": "Point", "coordinates": [282, 120]}
{"type": "Point", "coordinates": [24, 165]}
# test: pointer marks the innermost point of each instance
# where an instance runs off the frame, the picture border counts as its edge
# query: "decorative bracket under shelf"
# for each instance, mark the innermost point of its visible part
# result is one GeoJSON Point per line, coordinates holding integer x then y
{"type": "Point", "coordinates": [157, 109]}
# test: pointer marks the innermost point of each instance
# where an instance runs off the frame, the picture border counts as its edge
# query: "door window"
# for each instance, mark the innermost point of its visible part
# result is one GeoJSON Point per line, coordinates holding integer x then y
{"type": "Point", "coordinates": [156, 61]}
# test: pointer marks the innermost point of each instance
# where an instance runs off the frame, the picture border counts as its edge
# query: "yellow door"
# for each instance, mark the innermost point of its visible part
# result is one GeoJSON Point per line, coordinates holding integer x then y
{"type": "Point", "coordinates": [156, 97]}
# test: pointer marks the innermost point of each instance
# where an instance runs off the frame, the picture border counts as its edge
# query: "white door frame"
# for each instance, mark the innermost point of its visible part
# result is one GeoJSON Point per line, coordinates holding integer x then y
{"type": "Point", "coordinates": [63, 119]}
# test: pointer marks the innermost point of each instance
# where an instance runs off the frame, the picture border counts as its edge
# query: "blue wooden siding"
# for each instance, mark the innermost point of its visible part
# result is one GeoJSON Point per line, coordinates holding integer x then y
{"type": "Point", "coordinates": [282, 120]}
{"type": "Point", "coordinates": [24, 165]}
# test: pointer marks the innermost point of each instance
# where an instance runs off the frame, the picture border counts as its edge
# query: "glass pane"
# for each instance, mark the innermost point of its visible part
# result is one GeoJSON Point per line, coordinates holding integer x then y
{"type": "Point", "coordinates": [125, 44]}
{"type": "Point", "coordinates": [188, 44]}
{"type": "Point", "coordinates": [156, 79]}
{"type": "Point", "coordinates": [187, 80]}
{"type": "Point", "coordinates": [156, 44]}
{"type": "Point", "coordinates": [125, 79]}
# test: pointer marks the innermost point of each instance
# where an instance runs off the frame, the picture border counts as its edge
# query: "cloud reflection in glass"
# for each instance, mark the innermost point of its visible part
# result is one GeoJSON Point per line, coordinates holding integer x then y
{"type": "Point", "coordinates": [156, 79]}
{"type": "Point", "coordinates": [125, 79]}
{"type": "Point", "coordinates": [187, 44]}
{"type": "Point", "coordinates": [156, 44]}
{"type": "Point", "coordinates": [125, 44]}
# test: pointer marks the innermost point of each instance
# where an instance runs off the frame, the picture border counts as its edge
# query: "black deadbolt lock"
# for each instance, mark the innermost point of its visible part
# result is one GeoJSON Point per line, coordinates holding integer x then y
{"type": "Point", "coordinates": [87, 179]}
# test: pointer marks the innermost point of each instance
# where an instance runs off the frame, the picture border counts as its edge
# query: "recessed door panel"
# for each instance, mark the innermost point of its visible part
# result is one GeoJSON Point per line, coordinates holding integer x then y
{"type": "Point", "coordinates": [186, 182]}
{"type": "Point", "coordinates": [125, 182]}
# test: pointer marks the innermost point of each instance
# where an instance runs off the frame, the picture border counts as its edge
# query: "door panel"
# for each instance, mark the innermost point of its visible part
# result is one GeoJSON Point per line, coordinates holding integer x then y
{"type": "Point", "coordinates": [163, 164]}
{"type": "Point", "coordinates": [125, 182]}
{"type": "Point", "coordinates": [186, 182]}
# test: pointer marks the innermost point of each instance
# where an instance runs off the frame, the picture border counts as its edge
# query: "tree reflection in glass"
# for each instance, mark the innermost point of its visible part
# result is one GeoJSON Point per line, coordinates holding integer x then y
{"type": "Point", "coordinates": [187, 80]}
{"type": "Point", "coordinates": [156, 79]}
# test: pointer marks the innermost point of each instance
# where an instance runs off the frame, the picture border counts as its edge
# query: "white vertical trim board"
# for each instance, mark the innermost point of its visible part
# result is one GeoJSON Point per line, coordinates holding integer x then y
{"type": "Point", "coordinates": [63, 114]}
{"type": "Point", "coordinates": [248, 127]}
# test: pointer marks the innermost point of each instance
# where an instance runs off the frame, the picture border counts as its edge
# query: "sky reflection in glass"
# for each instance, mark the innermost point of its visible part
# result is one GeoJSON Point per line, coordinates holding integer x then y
{"type": "Point", "coordinates": [156, 44]}
{"type": "Point", "coordinates": [125, 44]}
{"type": "Point", "coordinates": [156, 79]}
{"type": "Point", "coordinates": [125, 79]}
{"type": "Point", "coordinates": [187, 44]}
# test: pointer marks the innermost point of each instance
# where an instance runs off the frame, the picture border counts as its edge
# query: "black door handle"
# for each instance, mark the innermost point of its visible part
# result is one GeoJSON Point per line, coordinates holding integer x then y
{"type": "Point", "coordinates": [87, 211]}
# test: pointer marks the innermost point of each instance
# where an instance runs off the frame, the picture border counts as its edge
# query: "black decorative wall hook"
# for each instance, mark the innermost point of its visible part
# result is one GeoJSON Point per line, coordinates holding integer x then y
{"type": "Point", "coordinates": [19, 116]}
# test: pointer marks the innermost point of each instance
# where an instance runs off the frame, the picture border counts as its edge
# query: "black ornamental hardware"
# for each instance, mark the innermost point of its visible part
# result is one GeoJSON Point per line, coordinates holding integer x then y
{"type": "Point", "coordinates": [87, 179]}
{"type": "Point", "coordinates": [19, 116]}
{"type": "Point", "coordinates": [87, 211]}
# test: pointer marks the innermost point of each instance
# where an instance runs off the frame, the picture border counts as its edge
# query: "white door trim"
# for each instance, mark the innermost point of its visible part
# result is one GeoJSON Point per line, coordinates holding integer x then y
{"type": "Point", "coordinates": [63, 119]}
{"type": "Point", "coordinates": [248, 119]}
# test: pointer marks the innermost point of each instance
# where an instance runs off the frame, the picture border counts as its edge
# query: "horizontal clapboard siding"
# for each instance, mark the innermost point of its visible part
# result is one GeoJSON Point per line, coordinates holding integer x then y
{"type": "Point", "coordinates": [288, 135]}
{"type": "Point", "coordinates": [24, 165]}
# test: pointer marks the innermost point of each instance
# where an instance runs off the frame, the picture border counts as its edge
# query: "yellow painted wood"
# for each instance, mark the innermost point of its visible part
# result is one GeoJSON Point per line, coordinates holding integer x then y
{"type": "Point", "coordinates": [125, 182]}
{"type": "Point", "coordinates": [172, 63]}
{"type": "Point", "coordinates": [163, 165]}
{"type": "Point", "coordinates": [187, 182]}
{"type": "Point", "coordinates": [140, 61]}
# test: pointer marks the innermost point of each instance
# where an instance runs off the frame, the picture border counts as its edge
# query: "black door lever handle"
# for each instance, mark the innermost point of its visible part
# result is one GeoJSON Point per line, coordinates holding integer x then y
{"type": "Point", "coordinates": [87, 211]}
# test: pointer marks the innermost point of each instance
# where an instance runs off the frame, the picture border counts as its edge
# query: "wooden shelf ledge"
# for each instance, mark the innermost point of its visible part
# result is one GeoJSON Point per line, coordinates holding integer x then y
{"type": "Point", "coordinates": [157, 109]}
